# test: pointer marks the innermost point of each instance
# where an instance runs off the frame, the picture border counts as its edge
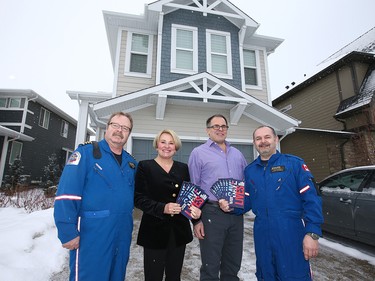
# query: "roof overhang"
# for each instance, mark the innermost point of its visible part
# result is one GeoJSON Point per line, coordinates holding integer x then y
{"type": "Point", "coordinates": [148, 22]}
{"type": "Point", "coordinates": [201, 90]}
{"type": "Point", "coordinates": [6, 132]}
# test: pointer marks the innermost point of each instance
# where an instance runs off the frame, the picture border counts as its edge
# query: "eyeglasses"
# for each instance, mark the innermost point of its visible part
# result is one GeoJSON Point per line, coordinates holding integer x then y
{"type": "Point", "coordinates": [217, 127]}
{"type": "Point", "coordinates": [118, 126]}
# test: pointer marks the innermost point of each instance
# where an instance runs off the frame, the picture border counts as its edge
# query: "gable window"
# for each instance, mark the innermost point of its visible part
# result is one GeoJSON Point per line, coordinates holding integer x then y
{"type": "Point", "coordinates": [138, 55]}
{"type": "Point", "coordinates": [15, 152]}
{"type": "Point", "coordinates": [219, 54]}
{"type": "Point", "coordinates": [184, 56]}
{"type": "Point", "coordinates": [64, 129]}
{"type": "Point", "coordinates": [44, 118]}
{"type": "Point", "coordinates": [251, 67]}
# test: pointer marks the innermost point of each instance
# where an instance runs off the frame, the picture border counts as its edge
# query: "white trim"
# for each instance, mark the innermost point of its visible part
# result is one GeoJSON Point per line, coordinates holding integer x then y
{"type": "Point", "coordinates": [117, 63]}
{"type": "Point", "coordinates": [228, 55]}
{"type": "Point", "coordinates": [194, 51]}
{"type": "Point", "coordinates": [128, 53]}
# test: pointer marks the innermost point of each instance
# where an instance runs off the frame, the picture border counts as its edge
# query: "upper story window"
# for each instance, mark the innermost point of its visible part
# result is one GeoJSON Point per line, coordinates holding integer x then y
{"type": "Point", "coordinates": [219, 54]}
{"type": "Point", "coordinates": [64, 129]}
{"type": "Point", "coordinates": [44, 118]}
{"type": "Point", "coordinates": [138, 55]}
{"type": "Point", "coordinates": [11, 103]}
{"type": "Point", "coordinates": [251, 67]}
{"type": "Point", "coordinates": [184, 56]}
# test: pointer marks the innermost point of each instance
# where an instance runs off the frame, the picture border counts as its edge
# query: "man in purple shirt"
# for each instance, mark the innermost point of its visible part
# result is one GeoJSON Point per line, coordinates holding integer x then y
{"type": "Point", "coordinates": [220, 234]}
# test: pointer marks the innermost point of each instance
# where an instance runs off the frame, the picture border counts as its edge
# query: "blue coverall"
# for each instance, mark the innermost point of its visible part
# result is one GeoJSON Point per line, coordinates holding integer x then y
{"type": "Point", "coordinates": [95, 200]}
{"type": "Point", "coordinates": [286, 205]}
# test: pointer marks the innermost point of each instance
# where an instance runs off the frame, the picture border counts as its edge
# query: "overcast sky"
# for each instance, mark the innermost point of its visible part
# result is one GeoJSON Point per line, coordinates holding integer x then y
{"type": "Point", "coordinates": [55, 46]}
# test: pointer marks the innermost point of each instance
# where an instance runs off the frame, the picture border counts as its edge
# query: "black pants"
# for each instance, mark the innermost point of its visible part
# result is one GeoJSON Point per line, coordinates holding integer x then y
{"type": "Point", "coordinates": [169, 260]}
{"type": "Point", "coordinates": [221, 248]}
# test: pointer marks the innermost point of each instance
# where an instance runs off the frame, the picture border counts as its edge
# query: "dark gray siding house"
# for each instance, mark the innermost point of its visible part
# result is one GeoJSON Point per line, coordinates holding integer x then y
{"type": "Point", "coordinates": [32, 129]}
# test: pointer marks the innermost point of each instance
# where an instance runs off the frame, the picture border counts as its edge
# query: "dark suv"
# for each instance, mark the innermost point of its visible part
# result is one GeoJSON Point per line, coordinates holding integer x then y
{"type": "Point", "coordinates": [349, 203]}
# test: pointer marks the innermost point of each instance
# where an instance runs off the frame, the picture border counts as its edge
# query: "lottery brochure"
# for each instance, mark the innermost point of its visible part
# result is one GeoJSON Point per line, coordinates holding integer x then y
{"type": "Point", "coordinates": [190, 195]}
{"type": "Point", "coordinates": [231, 190]}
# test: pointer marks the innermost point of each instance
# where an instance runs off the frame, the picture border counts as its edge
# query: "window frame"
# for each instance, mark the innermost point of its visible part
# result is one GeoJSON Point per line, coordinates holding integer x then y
{"type": "Point", "coordinates": [174, 49]}
{"type": "Point", "coordinates": [227, 35]}
{"type": "Point", "coordinates": [12, 155]}
{"type": "Point", "coordinates": [257, 69]}
{"type": "Point", "coordinates": [129, 52]}
{"type": "Point", "coordinates": [64, 129]}
{"type": "Point", "coordinates": [42, 115]}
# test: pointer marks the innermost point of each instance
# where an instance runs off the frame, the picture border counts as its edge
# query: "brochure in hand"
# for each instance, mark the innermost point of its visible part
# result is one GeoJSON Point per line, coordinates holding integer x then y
{"type": "Point", "coordinates": [190, 194]}
{"type": "Point", "coordinates": [232, 190]}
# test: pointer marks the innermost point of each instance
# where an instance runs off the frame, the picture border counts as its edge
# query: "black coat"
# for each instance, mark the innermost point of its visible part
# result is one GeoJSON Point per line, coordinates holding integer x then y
{"type": "Point", "coordinates": [154, 188]}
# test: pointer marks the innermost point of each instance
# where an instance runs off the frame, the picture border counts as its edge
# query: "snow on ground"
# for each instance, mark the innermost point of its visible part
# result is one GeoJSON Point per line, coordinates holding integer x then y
{"type": "Point", "coordinates": [31, 251]}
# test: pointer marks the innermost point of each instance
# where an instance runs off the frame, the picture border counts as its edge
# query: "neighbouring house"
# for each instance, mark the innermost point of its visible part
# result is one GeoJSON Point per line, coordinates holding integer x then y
{"type": "Point", "coordinates": [336, 109]}
{"type": "Point", "coordinates": [32, 129]}
{"type": "Point", "coordinates": [179, 63]}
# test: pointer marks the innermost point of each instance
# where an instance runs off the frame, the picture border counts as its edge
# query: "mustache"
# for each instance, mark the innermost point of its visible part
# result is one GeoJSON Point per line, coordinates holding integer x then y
{"type": "Point", "coordinates": [116, 134]}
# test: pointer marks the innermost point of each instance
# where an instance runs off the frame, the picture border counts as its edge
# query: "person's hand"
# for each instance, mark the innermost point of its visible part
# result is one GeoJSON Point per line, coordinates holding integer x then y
{"type": "Point", "coordinates": [195, 212]}
{"type": "Point", "coordinates": [172, 209]}
{"type": "Point", "coordinates": [199, 230]}
{"type": "Point", "coordinates": [72, 244]}
{"type": "Point", "coordinates": [310, 247]}
{"type": "Point", "coordinates": [224, 205]}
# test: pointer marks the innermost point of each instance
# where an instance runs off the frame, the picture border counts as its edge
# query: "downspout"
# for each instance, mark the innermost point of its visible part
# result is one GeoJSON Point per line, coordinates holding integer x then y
{"type": "Point", "coordinates": [287, 132]}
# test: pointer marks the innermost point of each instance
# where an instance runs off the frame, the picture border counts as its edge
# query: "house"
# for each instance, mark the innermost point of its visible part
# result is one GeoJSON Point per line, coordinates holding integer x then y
{"type": "Point", "coordinates": [336, 109]}
{"type": "Point", "coordinates": [179, 63]}
{"type": "Point", "coordinates": [32, 129]}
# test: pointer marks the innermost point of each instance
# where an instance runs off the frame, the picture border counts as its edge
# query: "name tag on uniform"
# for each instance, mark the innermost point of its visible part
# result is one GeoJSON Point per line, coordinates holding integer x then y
{"type": "Point", "coordinates": [277, 169]}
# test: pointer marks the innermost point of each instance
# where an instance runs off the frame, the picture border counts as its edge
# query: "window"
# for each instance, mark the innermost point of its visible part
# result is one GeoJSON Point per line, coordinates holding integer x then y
{"type": "Point", "coordinates": [15, 103]}
{"type": "Point", "coordinates": [15, 152]}
{"type": "Point", "coordinates": [184, 56]}
{"type": "Point", "coordinates": [11, 102]}
{"type": "Point", "coordinates": [250, 67]}
{"type": "Point", "coordinates": [219, 54]}
{"type": "Point", "coordinates": [64, 129]}
{"type": "Point", "coordinates": [138, 56]}
{"type": "Point", "coordinates": [44, 118]}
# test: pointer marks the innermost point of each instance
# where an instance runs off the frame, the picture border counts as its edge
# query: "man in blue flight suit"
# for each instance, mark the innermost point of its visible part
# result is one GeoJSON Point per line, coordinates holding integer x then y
{"type": "Point", "coordinates": [94, 205]}
{"type": "Point", "coordinates": [287, 208]}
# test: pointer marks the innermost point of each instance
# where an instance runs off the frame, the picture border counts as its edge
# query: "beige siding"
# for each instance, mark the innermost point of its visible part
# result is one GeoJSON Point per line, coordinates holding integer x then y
{"type": "Point", "coordinates": [321, 152]}
{"type": "Point", "coordinates": [346, 82]}
{"type": "Point", "coordinates": [189, 122]}
{"type": "Point", "coordinates": [316, 105]}
{"type": "Point", "coordinates": [128, 84]}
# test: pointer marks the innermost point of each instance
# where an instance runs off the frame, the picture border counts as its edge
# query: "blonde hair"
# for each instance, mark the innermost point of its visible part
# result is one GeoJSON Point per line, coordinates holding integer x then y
{"type": "Point", "coordinates": [176, 139]}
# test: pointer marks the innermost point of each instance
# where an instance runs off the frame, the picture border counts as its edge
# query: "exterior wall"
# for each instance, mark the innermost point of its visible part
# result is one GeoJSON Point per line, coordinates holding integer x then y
{"type": "Point", "coordinates": [320, 151]}
{"type": "Point", "coordinates": [347, 87]}
{"type": "Point", "coordinates": [316, 105]}
{"type": "Point", "coordinates": [189, 123]}
{"type": "Point", "coordinates": [35, 154]}
{"type": "Point", "coordinates": [127, 84]}
{"type": "Point", "coordinates": [196, 19]}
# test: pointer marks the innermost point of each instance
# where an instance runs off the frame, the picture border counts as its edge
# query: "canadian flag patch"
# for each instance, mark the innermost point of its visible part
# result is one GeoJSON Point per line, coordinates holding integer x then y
{"type": "Point", "coordinates": [304, 166]}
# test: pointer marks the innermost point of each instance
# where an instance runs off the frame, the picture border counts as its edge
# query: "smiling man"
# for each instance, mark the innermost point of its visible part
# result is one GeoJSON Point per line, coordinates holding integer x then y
{"type": "Point", "coordinates": [288, 211]}
{"type": "Point", "coordinates": [220, 234]}
{"type": "Point", "coordinates": [94, 205]}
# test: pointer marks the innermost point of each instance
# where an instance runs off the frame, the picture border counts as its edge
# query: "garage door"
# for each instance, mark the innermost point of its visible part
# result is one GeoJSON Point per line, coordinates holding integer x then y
{"type": "Point", "coordinates": [143, 150]}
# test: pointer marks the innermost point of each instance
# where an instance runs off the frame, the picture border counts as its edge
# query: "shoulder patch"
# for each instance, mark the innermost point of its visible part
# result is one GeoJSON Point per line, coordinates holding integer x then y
{"type": "Point", "coordinates": [74, 158]}
{"type": "Point", "coordinates": [305, 168]}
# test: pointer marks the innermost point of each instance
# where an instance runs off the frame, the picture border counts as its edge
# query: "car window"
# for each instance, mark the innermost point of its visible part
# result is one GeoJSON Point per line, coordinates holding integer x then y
{"type": "Point", "coordinates": [345, 182]}
{"type": "Point", "coordinates": [371, 187]}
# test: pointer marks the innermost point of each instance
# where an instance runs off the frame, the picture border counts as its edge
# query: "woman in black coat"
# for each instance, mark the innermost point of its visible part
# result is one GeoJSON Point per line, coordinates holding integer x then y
{"type": "Point", "coordinates": [163, 231]}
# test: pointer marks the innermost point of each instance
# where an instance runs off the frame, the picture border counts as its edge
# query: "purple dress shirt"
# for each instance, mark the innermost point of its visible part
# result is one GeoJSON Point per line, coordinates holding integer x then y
{"type": "Point", "coordinates": [208, 163]}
